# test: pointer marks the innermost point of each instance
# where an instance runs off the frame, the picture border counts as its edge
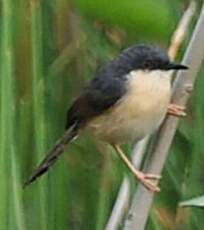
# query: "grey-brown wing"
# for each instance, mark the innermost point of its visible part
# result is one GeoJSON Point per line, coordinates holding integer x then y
{"type": "Point", "coordinates": [100, 95]}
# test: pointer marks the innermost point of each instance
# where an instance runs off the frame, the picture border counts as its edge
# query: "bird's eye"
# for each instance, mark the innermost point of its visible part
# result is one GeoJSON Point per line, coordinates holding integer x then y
{"type": "Point", "coordinates": [147, 65]}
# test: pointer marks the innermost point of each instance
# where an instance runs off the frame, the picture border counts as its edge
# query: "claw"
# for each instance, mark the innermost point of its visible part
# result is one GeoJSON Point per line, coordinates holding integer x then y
{"type": "Point", "coordinates": [146, 180]}
{"type": "Point", "coordinates": [176, 110]}
{"type": "Point", "coordinates": [152, 176]}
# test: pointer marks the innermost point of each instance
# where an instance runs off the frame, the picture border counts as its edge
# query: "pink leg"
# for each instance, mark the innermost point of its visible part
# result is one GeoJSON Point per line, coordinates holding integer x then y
{"type": "Point", "coordinates": [148, 180]}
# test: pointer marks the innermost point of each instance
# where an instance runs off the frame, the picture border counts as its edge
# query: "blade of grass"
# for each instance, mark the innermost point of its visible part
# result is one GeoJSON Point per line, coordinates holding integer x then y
{"type": "Point", "coordinates": [10, 202]}
{"type": "Point", "coordinates": [6, 73]}
{"type": "Point", "coordinates": [104, 189]}
{"type": "Point", "coordinates": [17, 201]}
{"type": "Point", "coordinates": [38, 105]}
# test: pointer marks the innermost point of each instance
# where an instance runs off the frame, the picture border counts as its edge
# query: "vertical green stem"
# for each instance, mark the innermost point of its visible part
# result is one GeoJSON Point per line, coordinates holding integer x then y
{"type": "Point", "coordinates": [6, 108]}
{"type": "Point", "coordinates": [38, 102]}
{"type": "Point", "coordinates": [10, 199]}
{"type": "Point", "coordinates": [16, 192]}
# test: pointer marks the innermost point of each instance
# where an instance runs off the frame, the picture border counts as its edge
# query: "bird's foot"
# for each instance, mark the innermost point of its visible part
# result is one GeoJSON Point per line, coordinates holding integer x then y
{"type": "Point", "coordinates": [149, 181]}
{"type": "Point", "coordinates": [176, 110]}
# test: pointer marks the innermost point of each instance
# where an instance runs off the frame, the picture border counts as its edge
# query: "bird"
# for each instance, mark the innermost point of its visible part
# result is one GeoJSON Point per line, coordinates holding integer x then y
{"type": "Point", "coordinates": [127, 99]}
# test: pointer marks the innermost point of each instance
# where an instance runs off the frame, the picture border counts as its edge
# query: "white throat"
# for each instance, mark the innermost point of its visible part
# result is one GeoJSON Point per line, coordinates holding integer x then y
{"type": "Point", "coordinates": [156, 75]}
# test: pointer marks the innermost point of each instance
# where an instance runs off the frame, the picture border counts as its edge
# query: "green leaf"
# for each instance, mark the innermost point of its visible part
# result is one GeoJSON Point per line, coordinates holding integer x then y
{"type": "Point", "coordinates": [197, 202]}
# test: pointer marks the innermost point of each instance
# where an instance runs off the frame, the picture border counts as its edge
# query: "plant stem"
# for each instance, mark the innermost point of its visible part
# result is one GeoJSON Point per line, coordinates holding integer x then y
{"type": "Point", "coordinates": [141, 204]}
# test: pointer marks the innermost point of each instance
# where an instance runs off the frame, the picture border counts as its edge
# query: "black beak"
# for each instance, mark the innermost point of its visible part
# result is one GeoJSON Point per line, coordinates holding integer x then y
{"type": "Point", "coordinates": [175, 66]}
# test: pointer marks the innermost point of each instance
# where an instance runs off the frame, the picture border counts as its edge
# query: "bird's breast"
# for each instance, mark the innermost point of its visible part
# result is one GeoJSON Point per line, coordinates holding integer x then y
{"type": "Point", "coordinates": [139, 112]}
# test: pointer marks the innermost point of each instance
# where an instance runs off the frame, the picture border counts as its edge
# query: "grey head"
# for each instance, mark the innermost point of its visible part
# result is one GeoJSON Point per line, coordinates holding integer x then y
{"type": "Point", "coordinates": [145, 57]}
{"type": "Point", "coordinates": [140, 57]}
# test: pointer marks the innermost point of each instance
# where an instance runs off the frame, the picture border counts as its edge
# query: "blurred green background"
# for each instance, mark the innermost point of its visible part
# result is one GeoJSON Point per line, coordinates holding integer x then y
{"type": "Point", "coordinates": [48, 50]}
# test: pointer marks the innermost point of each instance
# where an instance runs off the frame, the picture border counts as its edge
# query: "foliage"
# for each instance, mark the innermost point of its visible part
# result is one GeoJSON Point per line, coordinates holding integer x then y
{"type": "Point", "coordinates": [196, 202]}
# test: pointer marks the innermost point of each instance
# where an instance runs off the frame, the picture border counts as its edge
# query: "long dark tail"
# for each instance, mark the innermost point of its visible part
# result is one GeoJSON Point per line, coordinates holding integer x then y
{"type": "Point", "coordinates": [53, 154]}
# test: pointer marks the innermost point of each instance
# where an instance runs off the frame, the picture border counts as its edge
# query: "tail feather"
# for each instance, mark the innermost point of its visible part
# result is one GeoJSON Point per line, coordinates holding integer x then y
{"type": "Point", "coordinates": [53, 154]}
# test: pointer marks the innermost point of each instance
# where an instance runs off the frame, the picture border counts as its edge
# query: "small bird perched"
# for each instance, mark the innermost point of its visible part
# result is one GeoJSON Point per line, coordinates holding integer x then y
{"type": "Point", "coordinates": [126, 100]}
